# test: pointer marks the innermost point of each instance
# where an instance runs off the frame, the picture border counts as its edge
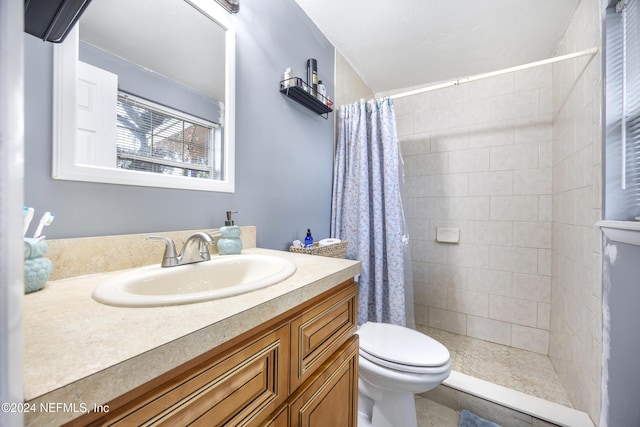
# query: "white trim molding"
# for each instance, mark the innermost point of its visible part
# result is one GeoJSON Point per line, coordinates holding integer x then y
{"type": "Point", "coordinates": [65, 165]}
{"type": "Point", "coordinates": [621, 231]}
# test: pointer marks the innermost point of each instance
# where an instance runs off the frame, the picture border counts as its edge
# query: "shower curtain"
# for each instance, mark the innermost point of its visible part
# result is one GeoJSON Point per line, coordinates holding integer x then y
{"type": "Point", "coordinates": [367, 210]}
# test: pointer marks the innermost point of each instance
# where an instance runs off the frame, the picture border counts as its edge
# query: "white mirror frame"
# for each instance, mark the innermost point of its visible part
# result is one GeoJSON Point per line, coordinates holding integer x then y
{"type": "Point", "coordinates": [65, 59]}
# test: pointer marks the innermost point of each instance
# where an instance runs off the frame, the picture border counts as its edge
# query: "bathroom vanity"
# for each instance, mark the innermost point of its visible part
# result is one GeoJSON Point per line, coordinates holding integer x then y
{"type": "Point", "coordinates": [280, 356]}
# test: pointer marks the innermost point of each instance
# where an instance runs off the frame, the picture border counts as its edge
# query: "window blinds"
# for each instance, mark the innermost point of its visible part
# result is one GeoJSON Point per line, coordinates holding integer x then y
{"type": "Point", "coordinates": [153, 139]}
{"type": "Point", "coordinates": [630, 125]}
{"type": "Point", "coordinates": [622, 198]}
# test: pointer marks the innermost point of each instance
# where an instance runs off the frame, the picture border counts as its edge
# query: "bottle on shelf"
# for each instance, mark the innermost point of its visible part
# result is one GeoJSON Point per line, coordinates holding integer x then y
{"type": "Point", "coordinates": [312, 76]}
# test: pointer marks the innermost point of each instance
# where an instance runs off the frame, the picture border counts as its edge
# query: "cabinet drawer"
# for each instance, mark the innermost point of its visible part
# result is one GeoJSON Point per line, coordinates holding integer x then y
{"type": "Point", "coordinates": [243, 387]}
{"type": "Point", "coordinates": [320, 331]}
{"type": "Point", "coordinates": [330, 398]}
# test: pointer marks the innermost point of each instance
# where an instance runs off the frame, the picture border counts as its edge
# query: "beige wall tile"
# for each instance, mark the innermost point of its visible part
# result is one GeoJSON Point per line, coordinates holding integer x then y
{"type": "Point", "coordinates": [544, 262]}
{"type": "Point", "coordinates": [532, 181]}
{"type": "Point", "coordinates": [448, 321]}
{"type": "Point", "coordinates": [429, 251]}
{"type": "Point", "coordinates": [467, 302]}
{"type": "Point", "coordinates": [513, 310]}
{"type": "Point", "coordinates": [514, 208]}
{"type": "Point", "coordinates": [532, 234]}
{"type": "Point", "coordinates": [471, 207]}
{"type": "Point", "coordinates": [470, 113]}
{"type": "Point", "coordinates": [430, 120]}
{"type": "Point", "coordinates": [490, 282]}
{"type": "Point", "coordinates": [531, 287]}
{"type": "Point", "coordinates": [430, 207]}
{"type": "Point", "coordinates": [448, 276]}
{"type": "Point", "coordinates": [544, 316]}
{"type": "Point", "coordinates": [492, 134]}
{"type": "Point", "coordinates": [421, 314]}
{"type": "Point", "coordinates": [516, 156]}
{"type": "Point", "coordinates": [491, 183]}
{"type": "Point", "coordinates": [531, 339]}
{"type": "Point", "coordinates": [428, 164]}
{"type": "Point", "coordinates": [472, 160]}
{"type": "Point", "coordinates": [490, 232]}
{"type": "Point", "coordinates": [469, 255]}
{"type": "Point", "coordinates": [520, 104]}
{"type": "Point", "coordinates": [545, 205]}
{"type": "Point", "coordinates": [432, 296]}
{"type": "Point", "coordinates": [450, 185]}
{"type": "Point", "coordinates": [450, 139]}
{"type": "Point", "coordinates": [412, 144]}
{"type": "Point", "coordinates": [489, 329]}
{"type": "Point", "coordinates": [520, 260]}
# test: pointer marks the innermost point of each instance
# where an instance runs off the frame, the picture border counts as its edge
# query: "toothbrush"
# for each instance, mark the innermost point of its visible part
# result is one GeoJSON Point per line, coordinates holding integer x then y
{"type": "Point", "coordinates": [26, 219]}
{"type": "Point", "coordinates": [46, 219]}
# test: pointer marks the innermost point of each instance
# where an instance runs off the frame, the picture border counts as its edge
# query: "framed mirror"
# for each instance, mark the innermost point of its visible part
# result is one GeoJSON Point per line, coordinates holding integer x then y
{"type": "Point", "coordinates": [144, 94]}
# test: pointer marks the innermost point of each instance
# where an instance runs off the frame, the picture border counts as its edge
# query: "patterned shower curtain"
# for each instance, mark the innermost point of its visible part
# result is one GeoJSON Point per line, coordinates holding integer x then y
{"type": "Point", "coordinates": [367, 207]}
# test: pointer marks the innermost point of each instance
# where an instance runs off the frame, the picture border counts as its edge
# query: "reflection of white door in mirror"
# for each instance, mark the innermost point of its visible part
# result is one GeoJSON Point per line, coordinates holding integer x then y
{"type": "Point", "coordinates": [86, 97]}
{"type": "Point", "coordinates": [96, 99]}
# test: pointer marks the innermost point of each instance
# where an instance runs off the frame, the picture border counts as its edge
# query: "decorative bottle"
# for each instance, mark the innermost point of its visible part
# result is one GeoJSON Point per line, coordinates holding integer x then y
{"type": "Point", "coordinates": [308, 241]}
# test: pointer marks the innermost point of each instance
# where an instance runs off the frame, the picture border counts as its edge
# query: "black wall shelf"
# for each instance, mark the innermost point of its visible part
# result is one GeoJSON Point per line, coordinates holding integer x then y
{"type": "Point", "coordinates": [298, 90]}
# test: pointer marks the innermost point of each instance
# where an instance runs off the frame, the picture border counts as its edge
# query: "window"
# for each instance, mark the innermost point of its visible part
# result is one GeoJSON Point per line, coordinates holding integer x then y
{"type": "Point", "coordinates": [154, 138]}
{"type": "Point", "coordinates": [622, 167]}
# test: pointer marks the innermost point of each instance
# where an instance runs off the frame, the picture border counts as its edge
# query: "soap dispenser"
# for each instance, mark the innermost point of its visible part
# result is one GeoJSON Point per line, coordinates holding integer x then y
{"type": "Point", "coordinates": [229, 242]}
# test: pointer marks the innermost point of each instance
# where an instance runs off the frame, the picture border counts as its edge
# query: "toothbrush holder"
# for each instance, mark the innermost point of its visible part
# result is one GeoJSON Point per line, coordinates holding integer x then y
{"type": "Point", "coordinates": [37, 268]}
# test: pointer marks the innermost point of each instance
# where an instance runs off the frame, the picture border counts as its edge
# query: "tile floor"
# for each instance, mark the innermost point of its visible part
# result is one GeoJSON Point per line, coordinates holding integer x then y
{"type": "Point", "coordinates": [521, 370]}
{"type": "Point", "coordinates": [432, 414]}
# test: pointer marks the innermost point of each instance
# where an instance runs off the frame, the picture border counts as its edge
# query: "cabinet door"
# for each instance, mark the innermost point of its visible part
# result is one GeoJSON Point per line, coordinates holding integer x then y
{"type": "Point", "coordinates": [330, 398]}
{"type": "Point", "coordinates": [241, 388]}
{"type": "Point", "coordinates": [318, 332]}
{"type": "Point", "coordinates": [280, 419]}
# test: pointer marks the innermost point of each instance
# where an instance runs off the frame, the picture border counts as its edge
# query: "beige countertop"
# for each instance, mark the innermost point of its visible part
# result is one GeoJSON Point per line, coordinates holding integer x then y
{"type": "Point", "coordinates": [79, 352]}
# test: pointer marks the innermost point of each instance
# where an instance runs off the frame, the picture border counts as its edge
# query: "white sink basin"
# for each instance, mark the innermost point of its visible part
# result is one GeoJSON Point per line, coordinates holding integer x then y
{"type": "Point", "coordinates": [222, 277]}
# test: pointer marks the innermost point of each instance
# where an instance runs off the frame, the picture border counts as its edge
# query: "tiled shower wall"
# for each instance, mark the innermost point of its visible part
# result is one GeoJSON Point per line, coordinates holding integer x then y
{"type": "Point", "coordinates": [478, 157]}
{"type": "Point", "coordinates": [576, 304]}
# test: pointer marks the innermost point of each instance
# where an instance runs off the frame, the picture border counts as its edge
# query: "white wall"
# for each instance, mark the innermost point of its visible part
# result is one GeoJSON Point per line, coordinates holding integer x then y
{"type": "Point", "coordinates": [11, 187]}
{"type": "Point", "coordinates": [478, 157]}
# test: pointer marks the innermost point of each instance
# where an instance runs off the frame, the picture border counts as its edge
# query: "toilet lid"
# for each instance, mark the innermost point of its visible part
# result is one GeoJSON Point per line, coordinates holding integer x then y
{"type": "Point", "coordinates": [401, 345]}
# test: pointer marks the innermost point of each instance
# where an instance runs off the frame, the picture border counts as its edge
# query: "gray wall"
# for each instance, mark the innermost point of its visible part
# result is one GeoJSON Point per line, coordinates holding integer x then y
{"type": "Point", "coordinates": [284, 152]}
{"type": "Point", "coordinates": [621, 273]}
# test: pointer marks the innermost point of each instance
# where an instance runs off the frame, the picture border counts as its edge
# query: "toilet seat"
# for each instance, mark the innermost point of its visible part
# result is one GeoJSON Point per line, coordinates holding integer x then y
{"type": "Point", "coordinates": [402, 349]}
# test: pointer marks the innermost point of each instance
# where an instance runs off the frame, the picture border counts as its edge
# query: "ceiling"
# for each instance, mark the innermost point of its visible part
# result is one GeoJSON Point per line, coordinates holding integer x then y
{"type": "Point", "coordinates": [407, 43]}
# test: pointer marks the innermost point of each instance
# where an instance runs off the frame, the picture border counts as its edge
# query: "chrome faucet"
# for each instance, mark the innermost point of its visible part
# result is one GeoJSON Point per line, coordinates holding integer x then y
{"type": "Point", "coordinates": [195, 249]}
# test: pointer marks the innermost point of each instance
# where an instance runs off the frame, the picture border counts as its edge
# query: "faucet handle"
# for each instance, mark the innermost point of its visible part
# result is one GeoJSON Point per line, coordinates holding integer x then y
{"type": "Point", "coordinates": [170, 257]}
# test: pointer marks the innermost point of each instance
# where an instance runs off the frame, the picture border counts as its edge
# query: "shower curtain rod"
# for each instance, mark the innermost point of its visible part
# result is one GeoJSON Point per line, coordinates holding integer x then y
{"type": "Point", "coordinates": [462, 80]}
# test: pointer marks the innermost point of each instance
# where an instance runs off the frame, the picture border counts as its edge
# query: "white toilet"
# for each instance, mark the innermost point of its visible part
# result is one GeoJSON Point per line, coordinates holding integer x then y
{"type": "Point", "coordinates": [396, 363]}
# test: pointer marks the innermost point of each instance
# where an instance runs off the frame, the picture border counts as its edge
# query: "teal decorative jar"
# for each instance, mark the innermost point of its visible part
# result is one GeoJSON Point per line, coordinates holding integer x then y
{"type": "Point", "coordinates": [37, 268]}
{"type": "Point", "coordinates": [229, 242]}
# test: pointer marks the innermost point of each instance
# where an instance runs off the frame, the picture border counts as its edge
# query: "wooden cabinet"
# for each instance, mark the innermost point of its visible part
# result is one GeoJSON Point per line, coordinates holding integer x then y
{"type": "Point", "coordinates": [319, 331]}
{"type": "Point", "coordinates": [330, 398]}
{"type": "Point", "coordinates": [298, 369]}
